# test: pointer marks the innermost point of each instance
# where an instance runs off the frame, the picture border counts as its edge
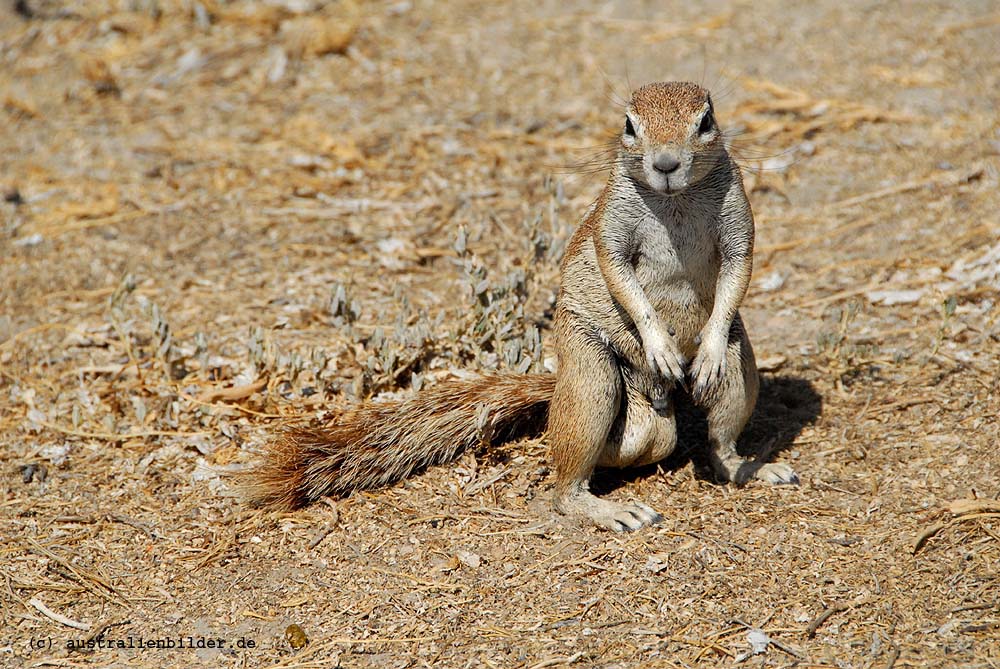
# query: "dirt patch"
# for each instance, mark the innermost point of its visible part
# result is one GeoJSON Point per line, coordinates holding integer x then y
{"type": "Point", "coordinates": [216, 215]}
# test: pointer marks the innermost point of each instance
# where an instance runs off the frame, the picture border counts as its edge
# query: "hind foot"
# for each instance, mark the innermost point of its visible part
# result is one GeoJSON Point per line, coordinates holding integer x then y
{"type": "Point", "coordinates": [731, 466]}
{"type": "Point", "coordinates": [612, 516]}
{"type": "Point", "coordinates": [776, 473]}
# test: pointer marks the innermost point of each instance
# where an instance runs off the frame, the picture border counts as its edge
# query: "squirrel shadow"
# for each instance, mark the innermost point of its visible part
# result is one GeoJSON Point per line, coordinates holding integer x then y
{"type": "Point", "coordinates": [785, 405]}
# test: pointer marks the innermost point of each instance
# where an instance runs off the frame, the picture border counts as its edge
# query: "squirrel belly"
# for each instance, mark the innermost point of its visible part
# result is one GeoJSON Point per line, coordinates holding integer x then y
{"type": "Point", "coordinates": [379, 443]}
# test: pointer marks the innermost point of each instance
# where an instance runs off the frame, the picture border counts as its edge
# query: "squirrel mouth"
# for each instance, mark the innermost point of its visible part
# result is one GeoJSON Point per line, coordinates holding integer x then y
{"type": "Point", "coordinates": [671, 191]}
{"type": "Point", "coordinates": [661, 191]}
{"type": "Point", "coordinates": [665, 186]}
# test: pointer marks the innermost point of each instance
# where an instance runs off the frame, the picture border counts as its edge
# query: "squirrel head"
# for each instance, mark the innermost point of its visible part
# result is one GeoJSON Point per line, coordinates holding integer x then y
{"type": "Point", "coordinates": [670, 140]}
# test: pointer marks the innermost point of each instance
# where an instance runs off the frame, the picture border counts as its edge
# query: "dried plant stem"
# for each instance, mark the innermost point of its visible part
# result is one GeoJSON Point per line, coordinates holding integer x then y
{"type": "Point", "coordinates": [59, 618]}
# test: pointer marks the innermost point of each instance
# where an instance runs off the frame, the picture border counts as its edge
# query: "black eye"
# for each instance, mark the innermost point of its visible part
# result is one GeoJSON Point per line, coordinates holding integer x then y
{"type": "Point", "coordinates": [629, 128]}
{"type": "Point", "coordinates": [707, 121]}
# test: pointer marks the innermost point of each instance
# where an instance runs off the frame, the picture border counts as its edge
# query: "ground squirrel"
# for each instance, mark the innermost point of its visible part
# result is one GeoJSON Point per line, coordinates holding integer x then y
{"type": "Point", "coordinates": [651, 280]}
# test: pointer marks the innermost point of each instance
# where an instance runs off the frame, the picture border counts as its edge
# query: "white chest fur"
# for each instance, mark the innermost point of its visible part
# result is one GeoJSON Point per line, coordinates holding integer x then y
{"type": "Point", "coordinates": [676, 256]}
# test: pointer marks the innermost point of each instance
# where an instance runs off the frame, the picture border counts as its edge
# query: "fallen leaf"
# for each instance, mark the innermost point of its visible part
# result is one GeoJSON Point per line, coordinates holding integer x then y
{"type": "Point", "coordinates": [962, 506]}
{"type": "Point", "coordinates": [771, 363]}
{"type": "Point", "coordinates": [232, 393]}
{"type": "Point", "coordinates": [292, 602]}
{"type": "Point", "coordinates": [330, 32]}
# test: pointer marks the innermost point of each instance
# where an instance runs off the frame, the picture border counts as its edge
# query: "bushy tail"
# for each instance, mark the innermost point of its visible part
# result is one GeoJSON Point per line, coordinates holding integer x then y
{"type": "Point", "coordinates": [376, 444]}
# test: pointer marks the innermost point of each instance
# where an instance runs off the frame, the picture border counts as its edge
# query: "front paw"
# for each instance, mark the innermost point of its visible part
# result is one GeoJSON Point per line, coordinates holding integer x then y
{"type": "Point", "coordinates": [709, 366]}
{"type": "Point", "coordinates": [664, 357]}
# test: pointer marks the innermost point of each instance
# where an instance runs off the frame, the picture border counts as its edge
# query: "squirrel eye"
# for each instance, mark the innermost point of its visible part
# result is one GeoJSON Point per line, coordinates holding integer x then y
{"type": "Point", "coordinates": [707, 121]}
{"type": "Point", "coordinates": [629, 128]}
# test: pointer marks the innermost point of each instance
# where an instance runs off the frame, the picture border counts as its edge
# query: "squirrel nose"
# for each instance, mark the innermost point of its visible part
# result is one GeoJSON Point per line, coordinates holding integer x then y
{"type": "Point", "coordinates": [666, 163]}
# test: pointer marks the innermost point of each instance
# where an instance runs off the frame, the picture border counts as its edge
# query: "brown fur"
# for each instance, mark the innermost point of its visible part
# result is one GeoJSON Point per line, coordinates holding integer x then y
{"type": "Point", "coordinates": [379, 443]}
{"type": "Point", "coordinates": [666, 107]}
{"type": "Point", "coordinates": [584, 231]}
{"type": "Point", "coordinates": [650, 288]}
{"type": "Point", "coordinates": [651, 279]}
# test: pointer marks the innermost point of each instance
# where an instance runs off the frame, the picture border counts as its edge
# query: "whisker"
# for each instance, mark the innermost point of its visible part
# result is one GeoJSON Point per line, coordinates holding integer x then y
{"type": "Point", "coordinates": [611, 93]}
{"type": "Point", "coordinates": [596, 162]}
{"type": "Point", "coordinates": [726, 89]}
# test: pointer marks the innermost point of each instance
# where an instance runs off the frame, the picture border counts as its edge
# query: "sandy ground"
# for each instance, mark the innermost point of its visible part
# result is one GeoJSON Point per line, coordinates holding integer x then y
{"type": "Point", "coordinates": [216, 215]}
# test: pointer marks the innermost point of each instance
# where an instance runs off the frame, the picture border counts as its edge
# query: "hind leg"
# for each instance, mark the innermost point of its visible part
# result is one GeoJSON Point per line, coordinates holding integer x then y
{"type": "Point", "coordinates": [586, 402]}
{"type": "Point", "coordinates": [645, 430]}
{"type": "Point", "coordinates": [729, 406]}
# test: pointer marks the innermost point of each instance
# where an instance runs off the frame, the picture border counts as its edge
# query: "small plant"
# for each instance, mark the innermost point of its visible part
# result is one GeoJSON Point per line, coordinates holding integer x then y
{"type": "Point", "coordinates": [162, 338]}
{"type": "Point", "coordinates": [848, 361]}
{"type": "Point", "coordinates": [343, 308]}
{"type": "Point", "coordinates": [117, 317]}
{"type": "Point", "coordinates": [496, 330]}
{"type": "Point", "coordinates": [266, 357]}
{"type": "Point", "coordinates": [833, 343]}
{"type": "Point", "coordinates": [948, 307]}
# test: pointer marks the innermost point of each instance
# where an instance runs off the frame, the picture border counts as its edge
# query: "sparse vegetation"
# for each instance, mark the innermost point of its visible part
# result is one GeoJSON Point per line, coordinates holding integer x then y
{"type": "Point", "coordinates": [217, 215]}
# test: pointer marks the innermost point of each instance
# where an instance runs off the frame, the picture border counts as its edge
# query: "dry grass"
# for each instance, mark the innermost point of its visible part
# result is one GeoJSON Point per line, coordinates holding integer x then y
{"type": "Point", "coordinates": [219, 214]}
